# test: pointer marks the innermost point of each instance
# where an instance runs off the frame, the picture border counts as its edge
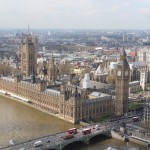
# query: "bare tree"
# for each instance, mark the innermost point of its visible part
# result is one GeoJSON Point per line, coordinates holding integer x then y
{"type": "Point", "coordinates": [87, 70]}
{"type": "Point", "coordinates": [6, 70]}
{"type": "Point", "coordinates": [65, 69]}
{"type": "Point", "coordinates": [110, 79]}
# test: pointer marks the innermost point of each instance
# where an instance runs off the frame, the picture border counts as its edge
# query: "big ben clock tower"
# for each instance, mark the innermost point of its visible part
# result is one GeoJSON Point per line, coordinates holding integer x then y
{"type": "Point", "coordinates": [122, 85]}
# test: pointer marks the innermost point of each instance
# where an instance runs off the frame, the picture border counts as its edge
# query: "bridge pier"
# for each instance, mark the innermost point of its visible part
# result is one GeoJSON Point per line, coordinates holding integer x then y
{"type": "Point", "coordinates": [60, 147]}
{"type": "Point", "coordinates": [86, 140]}
{"type": "Point", "coordinates": [148, 146]}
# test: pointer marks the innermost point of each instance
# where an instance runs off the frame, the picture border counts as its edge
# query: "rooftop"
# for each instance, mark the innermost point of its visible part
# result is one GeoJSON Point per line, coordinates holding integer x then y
{"type": "Point", "coordinates": [8, 79]}
{"type": "Point", "coordinates": [98, 94]}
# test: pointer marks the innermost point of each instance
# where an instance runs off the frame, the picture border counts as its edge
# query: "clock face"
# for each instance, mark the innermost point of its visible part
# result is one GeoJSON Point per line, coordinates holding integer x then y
{"type": "Point", "coordinates": [126, 73]}
{"type": "Point", "coordinates": [119, 73]}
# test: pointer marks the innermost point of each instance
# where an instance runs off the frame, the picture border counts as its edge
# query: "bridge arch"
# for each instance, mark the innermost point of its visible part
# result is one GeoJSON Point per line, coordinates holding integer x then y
{"type": "Point", "coordinates": [98, 138]}
{"type": "Point", "coordinates": [80, 143]}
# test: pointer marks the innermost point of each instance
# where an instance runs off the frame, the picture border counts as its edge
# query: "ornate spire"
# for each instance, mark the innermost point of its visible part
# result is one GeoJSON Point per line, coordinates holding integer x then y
{"type": "Point", "coordinates": [33, 78]}
{"type": "Point", "coordinates": [123, 59]}
{"type": "Point", "coordinates": [53, 68]}
{"type": "Point", "coordinates": [52, 59]}
{"type": "Point", "coordinates": [76, 92]}
{"type": "Point", "coordinates": [28, 29]}
{"type": "Point", "coordinates": [44, 70]}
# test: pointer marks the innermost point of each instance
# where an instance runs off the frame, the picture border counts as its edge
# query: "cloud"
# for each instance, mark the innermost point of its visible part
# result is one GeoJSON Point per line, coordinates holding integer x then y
{"type": "Point", "coordinates": [115, 8]}
{"type": "Point", "coordinates": [147, 1]}
{"type": "Point", "coordinates": [71, 13]}
{"type": "Point", "coordinates": [144, 11]}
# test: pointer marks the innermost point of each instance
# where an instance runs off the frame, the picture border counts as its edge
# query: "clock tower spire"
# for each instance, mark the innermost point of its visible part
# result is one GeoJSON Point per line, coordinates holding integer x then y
{"type": "Point", "coordinates": [122, 85]}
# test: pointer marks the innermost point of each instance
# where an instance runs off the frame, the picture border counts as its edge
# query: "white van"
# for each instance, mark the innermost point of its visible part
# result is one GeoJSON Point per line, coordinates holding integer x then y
{"type": "Point", "coordinates": [38, 143]}
{"type": "Point", "coordinates": [22, 148]}
{"type": "Point", "coordinates": [97, 127]}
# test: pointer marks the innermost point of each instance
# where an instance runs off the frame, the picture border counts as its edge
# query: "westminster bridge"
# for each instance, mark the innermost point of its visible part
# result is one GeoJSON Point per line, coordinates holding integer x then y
{"type": "Point", "coordinates": [57, 141]}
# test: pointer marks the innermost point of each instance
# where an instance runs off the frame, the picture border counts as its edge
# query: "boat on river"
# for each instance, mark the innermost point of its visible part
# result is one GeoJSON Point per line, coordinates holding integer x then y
{"type": "Point", "coordinates": [11, 142]}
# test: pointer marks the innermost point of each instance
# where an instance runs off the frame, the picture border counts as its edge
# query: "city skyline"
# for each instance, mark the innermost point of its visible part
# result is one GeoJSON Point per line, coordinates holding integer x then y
{"type": "Point", "coordinates": [79, 14]}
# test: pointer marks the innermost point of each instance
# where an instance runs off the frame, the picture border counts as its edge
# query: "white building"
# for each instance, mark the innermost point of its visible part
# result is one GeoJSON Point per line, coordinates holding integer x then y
{"type": "Point", "coordinates": [87, 82]}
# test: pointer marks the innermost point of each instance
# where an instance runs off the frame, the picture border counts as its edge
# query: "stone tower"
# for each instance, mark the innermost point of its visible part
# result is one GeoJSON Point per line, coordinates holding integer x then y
{"type": "Point", "coordinates": [143, 79]}
{"type": "Point", "coordinates": [122, 85]}
{"type": "Point", "coordinates": [52, 72]}
{"type": "Point", "coordinates": [28, 56]}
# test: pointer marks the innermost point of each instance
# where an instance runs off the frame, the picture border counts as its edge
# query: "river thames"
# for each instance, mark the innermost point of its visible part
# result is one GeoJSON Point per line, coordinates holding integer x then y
{"type": "Point", "coordinates": [20, 123]}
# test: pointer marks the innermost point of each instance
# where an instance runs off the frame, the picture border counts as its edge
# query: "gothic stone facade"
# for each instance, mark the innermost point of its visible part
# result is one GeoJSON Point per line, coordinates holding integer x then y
{"type": "Point", "coordinates": [70, 103]}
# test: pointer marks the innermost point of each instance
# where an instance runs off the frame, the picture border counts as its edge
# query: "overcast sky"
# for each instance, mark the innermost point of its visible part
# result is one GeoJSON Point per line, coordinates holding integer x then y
{"type": "Point", "coordinates": [75, 14]}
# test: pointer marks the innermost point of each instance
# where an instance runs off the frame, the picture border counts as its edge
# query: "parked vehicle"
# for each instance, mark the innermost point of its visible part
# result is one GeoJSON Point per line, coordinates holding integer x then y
{"type": "Point", "coordinates": [7, 94]}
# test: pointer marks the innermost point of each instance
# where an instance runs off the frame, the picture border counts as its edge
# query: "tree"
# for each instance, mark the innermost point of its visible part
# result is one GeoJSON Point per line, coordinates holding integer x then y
{"type": "Point", "coordinates": [65, 69]}
{"type": "Point", "coordinates": [110, 79]}
{"type": "Point", "coordinates": [87, 70]}
{"type": "Point", "coordinates": [6, 70]}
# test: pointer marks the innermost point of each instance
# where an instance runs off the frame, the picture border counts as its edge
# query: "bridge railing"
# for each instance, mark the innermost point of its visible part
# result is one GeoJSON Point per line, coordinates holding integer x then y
{"type": "Point", "coordinates": [21, 143]}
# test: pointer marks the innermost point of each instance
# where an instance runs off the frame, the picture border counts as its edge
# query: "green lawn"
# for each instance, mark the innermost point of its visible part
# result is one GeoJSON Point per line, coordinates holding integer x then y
{"type": "Point", "coordinates": [135, 105]}
{"type": "Point", "coordinates": [105, 118]}
{"type": "Point", "coordinates": [140, 92]}
{"type": "Point", "coordinates": [148, 87]}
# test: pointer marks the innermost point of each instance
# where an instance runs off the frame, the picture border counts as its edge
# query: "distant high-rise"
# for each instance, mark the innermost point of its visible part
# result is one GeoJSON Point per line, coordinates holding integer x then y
{"type": "Point", "coordinates": [28, 56]}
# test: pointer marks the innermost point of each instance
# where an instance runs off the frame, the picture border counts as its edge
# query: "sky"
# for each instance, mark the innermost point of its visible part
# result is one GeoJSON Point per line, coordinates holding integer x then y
{"type": "Point", "coordinates": [75, 14]}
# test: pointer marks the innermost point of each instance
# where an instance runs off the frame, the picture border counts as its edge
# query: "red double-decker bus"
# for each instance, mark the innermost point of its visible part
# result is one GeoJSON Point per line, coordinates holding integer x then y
{"type": "Point", "coordinates": [86, 131]}
{"type": "Point", "coordinates": [72, 131]}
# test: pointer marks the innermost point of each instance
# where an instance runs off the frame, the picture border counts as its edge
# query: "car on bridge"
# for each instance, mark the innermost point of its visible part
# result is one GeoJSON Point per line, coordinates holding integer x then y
{"type": "Point", "coordinates": [86, 131]}
{"type": "Point", "coordinates": [22, 148]}
{"type": "Point", "coordinates": [67, 137]}
{"type": "Point", "coordinates": [48, 141]}
{"type": "Point", "coordinates": [38, 143]}
{"type": "Point", "coordinates": [97, 127]}
{"type": "Point", "coordinates": [135, 119]}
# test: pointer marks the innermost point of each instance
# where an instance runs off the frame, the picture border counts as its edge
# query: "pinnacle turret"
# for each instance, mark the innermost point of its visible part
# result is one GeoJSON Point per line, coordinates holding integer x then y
{"type": "Point", "coordinates": [123, 59]}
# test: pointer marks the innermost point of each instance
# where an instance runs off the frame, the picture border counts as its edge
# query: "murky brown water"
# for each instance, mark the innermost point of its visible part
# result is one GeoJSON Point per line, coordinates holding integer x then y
{"type": "Point", "coordinates": [20, 123]}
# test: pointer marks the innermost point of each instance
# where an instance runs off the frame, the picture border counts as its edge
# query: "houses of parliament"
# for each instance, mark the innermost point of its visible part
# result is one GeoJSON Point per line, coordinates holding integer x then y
{"type": "Point", "coordinates": [66, 100]}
